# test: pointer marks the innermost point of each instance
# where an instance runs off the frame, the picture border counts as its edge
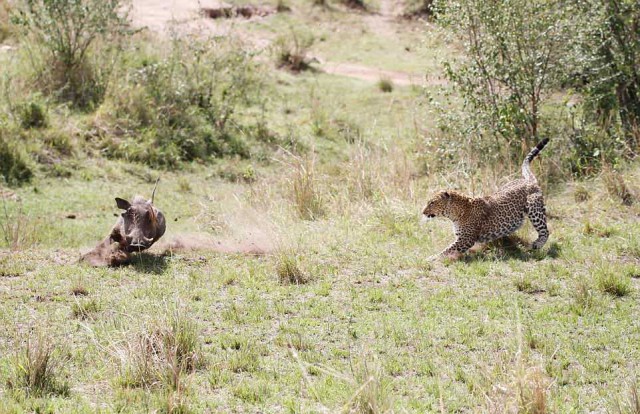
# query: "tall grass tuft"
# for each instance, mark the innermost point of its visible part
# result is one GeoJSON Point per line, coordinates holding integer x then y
{"type": "Point", "coordinates": [616, 186]}
{"type": "Point", "coordinates": [632, 403]}
{"type": "Point", "coordinates": [36, 369]}
{"type": "Point", "coordinates": [583, 298]}
{"type": "Point", "coordinates": [85, 309]}
{"type": "Point", "coordinates": [372, 390]}
{"type": "Point", "coordinates": [613, 282]}
{"type": "Point", "coordinates": [160, 354]}
{"type": "Point", "coordinates": [18, 230]}
{"type": "Point", "coordinates": [306, 196]}
{"type": "Point", "coordinates": [368, 386]}
{"type": "Point", "coordinates": [288, 268]}
{"type": "Point", "coordinates": [291, 51]}
{"type": "Point", "coordinates": [532, 392]}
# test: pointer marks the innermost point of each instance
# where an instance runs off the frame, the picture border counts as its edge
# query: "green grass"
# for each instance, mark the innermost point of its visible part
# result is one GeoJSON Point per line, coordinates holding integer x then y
{"type": "Point", "coordinates": [441, 335]}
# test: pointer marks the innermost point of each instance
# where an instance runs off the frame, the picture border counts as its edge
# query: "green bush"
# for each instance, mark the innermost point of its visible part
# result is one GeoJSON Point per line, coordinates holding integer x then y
{"type": "Point", "coordinates": [63, 35]}
{"type": "Point", "coordinates": [32, 115]}
{"type": "Point", "coordinates": [514, 51]}
{"type": "Point", "coordinates": [606, 62]}
{"type": "Point", "coordinates": [13, 167]}
{"type": "Point", "coordinates": [181, 107]}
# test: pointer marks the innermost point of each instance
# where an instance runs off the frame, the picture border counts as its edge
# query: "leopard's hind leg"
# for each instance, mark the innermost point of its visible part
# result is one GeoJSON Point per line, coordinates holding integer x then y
{"type": "Point", "coordinates": [537, 215]}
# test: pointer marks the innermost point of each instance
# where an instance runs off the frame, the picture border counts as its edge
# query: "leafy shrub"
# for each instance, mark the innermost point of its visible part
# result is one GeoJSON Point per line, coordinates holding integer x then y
{"type": "Point", "coordinates": [13, 167]}
{"type": "Point", "coordinates": [591, 148]}
{"type": "Point", "coordinates": [32, 115]}
{"type": "Point", "coordinates": [514, 54]}
{"type": "Point", "coordinates": [65, 33]}
{"type": "Point", "coordinates": [181, 107]}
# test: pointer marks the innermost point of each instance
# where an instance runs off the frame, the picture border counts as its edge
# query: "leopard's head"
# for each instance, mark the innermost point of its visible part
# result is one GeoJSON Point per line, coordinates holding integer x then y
{"type": "Point", "coordinates": [438, 205]}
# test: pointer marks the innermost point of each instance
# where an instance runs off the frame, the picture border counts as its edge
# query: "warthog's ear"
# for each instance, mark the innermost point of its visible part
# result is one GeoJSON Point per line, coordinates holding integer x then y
{"type": "Point", "coordinates": [122, 204]}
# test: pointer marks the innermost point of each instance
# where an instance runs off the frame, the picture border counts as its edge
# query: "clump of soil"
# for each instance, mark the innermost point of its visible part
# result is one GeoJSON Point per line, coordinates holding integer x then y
{"type": "Point", "coordinates": [105, 254]}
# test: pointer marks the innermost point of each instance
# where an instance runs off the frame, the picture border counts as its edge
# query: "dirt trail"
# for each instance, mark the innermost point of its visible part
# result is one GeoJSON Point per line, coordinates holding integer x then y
{"type": "Point", "coordinates": [367, 73]}
{"type": "Point", "coordinates": [162, 16]}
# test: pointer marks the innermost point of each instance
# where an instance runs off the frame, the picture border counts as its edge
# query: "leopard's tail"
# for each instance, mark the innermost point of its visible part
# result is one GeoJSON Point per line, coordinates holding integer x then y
{"type": "Point", "coordinates": [526, 170]}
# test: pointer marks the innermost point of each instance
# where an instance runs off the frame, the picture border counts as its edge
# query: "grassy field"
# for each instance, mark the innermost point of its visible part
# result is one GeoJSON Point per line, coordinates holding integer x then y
{"type": "Point", "coordinates": [344, 310]}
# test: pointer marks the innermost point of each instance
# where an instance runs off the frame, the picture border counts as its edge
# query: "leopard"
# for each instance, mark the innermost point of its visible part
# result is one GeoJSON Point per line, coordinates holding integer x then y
{"type": "Point", "coordinates": [484, 219]}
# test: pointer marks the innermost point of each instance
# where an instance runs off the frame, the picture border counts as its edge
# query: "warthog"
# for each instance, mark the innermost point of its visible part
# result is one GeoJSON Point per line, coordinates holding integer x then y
{"type": "Point", "coordinates": [141, 225]}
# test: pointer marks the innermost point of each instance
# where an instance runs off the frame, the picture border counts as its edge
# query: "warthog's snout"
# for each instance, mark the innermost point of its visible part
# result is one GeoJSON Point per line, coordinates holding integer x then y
{"type": "Point", "coordinates": [139, 244]}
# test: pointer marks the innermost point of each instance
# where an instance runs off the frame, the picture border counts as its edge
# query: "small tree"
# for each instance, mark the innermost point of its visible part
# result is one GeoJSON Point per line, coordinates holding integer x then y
{"type": "Point", "coordinates": [514, 50]}
{"type": "Point", "coordinates": [66, 30]}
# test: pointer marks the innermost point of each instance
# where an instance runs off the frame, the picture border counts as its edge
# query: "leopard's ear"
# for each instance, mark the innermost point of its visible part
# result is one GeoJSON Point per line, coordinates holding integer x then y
{"type": "Point", "coordinates": [446, 194]}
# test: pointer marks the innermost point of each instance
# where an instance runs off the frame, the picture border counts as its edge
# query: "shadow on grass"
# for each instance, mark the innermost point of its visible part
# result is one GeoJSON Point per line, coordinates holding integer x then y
{"type": "Point", "coordinates": [513, 248]}
{"type": "Point", "coordinates": [149, 262]}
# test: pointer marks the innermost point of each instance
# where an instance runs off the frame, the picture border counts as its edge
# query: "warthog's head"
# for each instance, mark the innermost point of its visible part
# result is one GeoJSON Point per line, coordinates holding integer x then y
{"type": "Point", "coordinates": [141, 224]}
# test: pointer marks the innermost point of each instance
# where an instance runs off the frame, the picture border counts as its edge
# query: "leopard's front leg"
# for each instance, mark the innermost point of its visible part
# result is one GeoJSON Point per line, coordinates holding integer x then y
{"type": "Point", "coordinates": [458, 247]}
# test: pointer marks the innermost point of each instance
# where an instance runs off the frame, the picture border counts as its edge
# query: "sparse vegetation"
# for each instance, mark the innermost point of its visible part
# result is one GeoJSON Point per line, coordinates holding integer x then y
{"type": "Point", "coordinates": [19, 231]}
